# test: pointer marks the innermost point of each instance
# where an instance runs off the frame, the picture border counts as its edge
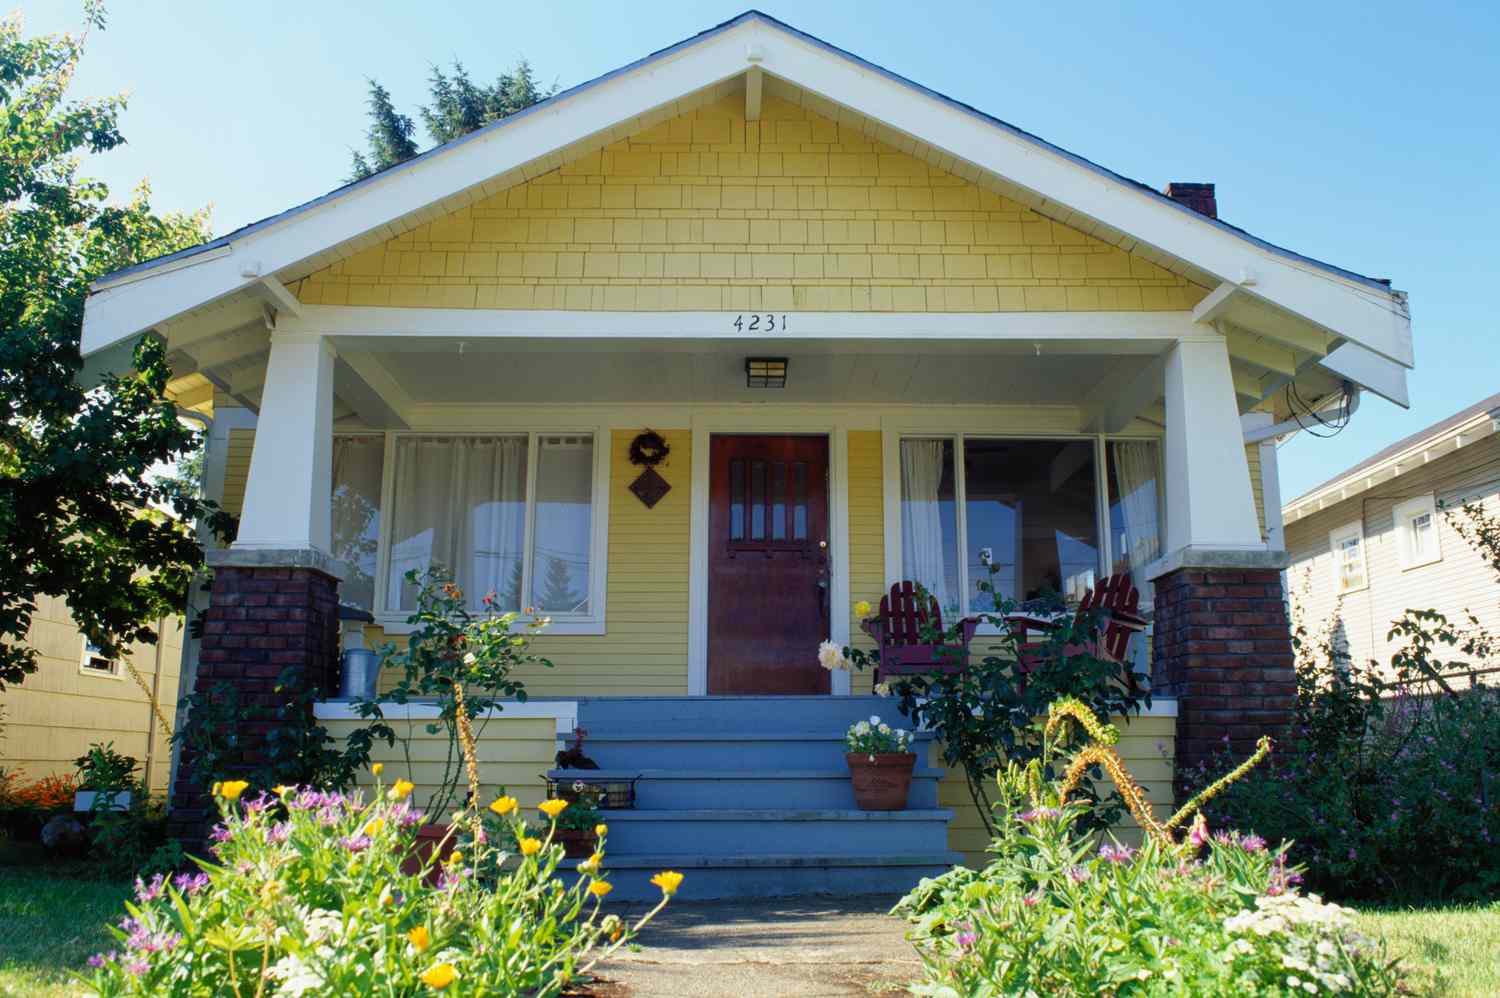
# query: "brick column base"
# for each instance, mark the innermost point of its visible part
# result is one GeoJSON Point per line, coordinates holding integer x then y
{"type": "Point", "coordinates": [1222, 646]}
{"type": "Point", "coordinates": [261, 621]}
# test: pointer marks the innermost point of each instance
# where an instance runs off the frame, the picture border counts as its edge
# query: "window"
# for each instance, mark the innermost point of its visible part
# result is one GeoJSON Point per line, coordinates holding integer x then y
{"type": "Point", "coordinates": [1348, 545]}
{"type": "Point", "coordinates": [1135, 514]}
{"type": "Point", "coordinates": [1029, 508]}
{"type": "Point", "coordinates": [95, 664]}
{"type": "Point", "coordinates": [518, 515]}
{"type": "Point", "coordinates": [1417, 532]}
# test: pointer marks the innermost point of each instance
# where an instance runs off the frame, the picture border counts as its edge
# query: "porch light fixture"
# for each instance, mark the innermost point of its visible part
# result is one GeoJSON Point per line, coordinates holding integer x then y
{"type": "Point", "coordinates": [765, 372]}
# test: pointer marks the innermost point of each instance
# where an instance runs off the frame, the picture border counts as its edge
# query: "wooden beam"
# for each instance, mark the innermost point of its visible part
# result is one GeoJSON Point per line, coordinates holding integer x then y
{"type": "Point", "coordinates": [1217, 303]}
{"type": "Point", "coordinates": [1112, 412]}
{"type": "Point", "coordinates": [363, 382]}
{"type": "Point", "coordinates": [754, 84]}
{"type": "Point", "coordinates": [1256, 350]}
{"type": "Point", "coordinates": [275, 294]}
{"type": "Point", "coordinates": [235, 346]}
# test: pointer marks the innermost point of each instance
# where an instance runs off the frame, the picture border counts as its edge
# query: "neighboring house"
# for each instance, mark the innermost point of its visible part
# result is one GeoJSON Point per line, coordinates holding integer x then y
{"type": "Point", "coordinates": [884, 335]}
{"type": "Point", "coordinates": [78, 697]}
{"type": "Point", "coordinates": [1379, 538]}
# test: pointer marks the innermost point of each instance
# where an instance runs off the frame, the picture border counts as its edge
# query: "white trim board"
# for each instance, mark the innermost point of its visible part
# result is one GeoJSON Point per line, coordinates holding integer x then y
{"type": "Point", "coordinates": [533, 142]}
{"type": "Point", "coordinates": [704, 428]}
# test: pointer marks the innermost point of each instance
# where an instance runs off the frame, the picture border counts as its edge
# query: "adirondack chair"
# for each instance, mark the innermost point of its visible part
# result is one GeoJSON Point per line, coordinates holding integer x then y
{"type": "Point", "coordinates": [898, 632]}
{"type": "Point", "coordinates": [1118, 603]}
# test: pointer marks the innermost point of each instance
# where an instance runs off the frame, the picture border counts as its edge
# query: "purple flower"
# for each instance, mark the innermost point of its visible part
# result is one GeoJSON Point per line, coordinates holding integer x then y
{"type": "Point", "coordinates": [220, 833]}
{"type": "Point", "coordinates": [967, 938]}
{"type": "Point", "coordinates": [1039, 813]}
{"type": "Point", "coordinates": [190, 883]}
{"type": "Point", "coordinates": [1116, 854]}
{"type": "Point", "coordinates": [100, 959]}
{"type": "Point", "coordinates": [278, 833]}
{"type": "Point", "coordinates": [137, 968]}
{"type": "Point", "coordinates": [1252, 843]}
{"type": "Point", "coordinates": [258, 804]}
{"type": "Point", "coordinates": [355, 843]}
{"type": "Point", "coordinates": [1199, 833]}
{"type": "Point", "coordinates": [405, 815]}
{"type": "Point", "coordinates": [146, 893]}
{"type": "Point", "coordinates": [1030, 900]}
{"type": "Point", "coordinates": [1078, 874]}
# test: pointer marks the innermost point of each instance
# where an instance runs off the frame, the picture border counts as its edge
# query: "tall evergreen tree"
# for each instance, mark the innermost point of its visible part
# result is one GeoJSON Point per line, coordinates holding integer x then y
{"type": "Point", "coordinates": [558, 594]}
{"type": "Point", "coordinates": [389, 136]}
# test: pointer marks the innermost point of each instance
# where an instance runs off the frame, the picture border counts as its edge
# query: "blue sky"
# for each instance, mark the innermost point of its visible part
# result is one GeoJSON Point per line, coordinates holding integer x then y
{"type": "Point", "coordinates": [1363, 134]}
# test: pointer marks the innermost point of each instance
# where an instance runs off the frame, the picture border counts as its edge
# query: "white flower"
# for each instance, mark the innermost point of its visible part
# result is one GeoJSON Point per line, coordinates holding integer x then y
{"type": "Point", "coordinates": [882, 689]}
{"type": "Point", "coordinates": [875, 720]}
{"type": "Point", "coordinates": [831, 657]}
{"type": "Point", "coordinates": [862, 728]}
{"type": "Point", "coordinates": [469, 659]}
{"type": "Point", "coordinates": [885, 729]}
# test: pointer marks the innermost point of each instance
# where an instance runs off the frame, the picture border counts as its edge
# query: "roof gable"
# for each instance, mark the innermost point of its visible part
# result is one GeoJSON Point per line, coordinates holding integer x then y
{"type": "Point", "coordinates": [710, 66]}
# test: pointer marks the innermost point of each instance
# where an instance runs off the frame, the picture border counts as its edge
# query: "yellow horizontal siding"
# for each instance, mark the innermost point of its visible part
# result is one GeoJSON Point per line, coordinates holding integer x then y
{"type": "Point", "coordinates": [513, 753]}
{"type": "Point", "coordinates": [866, 535]}
{"type": "Point", "coordinates": [1146, 745]}
{"type": "Point", "coordinates": [50, 720]}
{"type": "Point", "coordinates": [1257, 490]}
{"type": "Point", "coordinates": [709, 211]}
{"type": "Point", "coordinates": [237, 470]}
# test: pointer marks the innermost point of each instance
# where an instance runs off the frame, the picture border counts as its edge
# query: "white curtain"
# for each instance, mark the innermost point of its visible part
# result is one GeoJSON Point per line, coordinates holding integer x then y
{"type": "Point", "coordinates": [460, 505]}
{"type": "Point", "coordinates": [1135, 482]}
{"type": "Point", "coordinates": [357, 466]}
{"type": "Point", "coordinates": [922, 544]}
{"type": "Point", "coordinates": [564, 515]}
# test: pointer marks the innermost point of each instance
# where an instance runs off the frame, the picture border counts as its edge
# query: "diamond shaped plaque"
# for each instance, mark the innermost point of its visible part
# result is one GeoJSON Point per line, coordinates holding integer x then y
{"type": "Point", "coordinates": [649, 487]}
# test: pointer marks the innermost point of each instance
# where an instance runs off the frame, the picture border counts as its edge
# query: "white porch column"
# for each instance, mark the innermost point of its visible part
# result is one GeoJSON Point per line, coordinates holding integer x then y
{"type": "Point", "coordinates": [1209, 502]}
{"type": "Point", "coordinates": [291, 466]}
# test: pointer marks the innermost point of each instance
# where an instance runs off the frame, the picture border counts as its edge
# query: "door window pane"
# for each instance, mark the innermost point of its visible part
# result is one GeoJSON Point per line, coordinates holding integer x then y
{"type": "Point", "coordinates": [564, 524]}
{"type": "Point", "coordinates": [929, 520]}
{"type": "Point", "coordinates": [358, 465]}
{"type": "Point", "coordinates": [459, 504]}
{"type": "Point", "coordinates": [1134, 505]}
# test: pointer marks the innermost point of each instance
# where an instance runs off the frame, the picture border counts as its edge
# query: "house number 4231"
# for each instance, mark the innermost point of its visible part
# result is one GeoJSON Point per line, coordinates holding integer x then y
{"type": "Point", "coordinates": [760, 323]}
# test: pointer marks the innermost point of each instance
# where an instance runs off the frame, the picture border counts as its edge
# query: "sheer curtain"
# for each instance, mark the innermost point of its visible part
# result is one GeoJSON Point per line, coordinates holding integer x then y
{"type": "Point", "coordinates": [459, 505]}
{"type": "Point", "coordinates": [1135, 482]}
{"type": "Point", "coordinates": [357, 466]}
{"type": "Point", "coordinates": [922, 542]}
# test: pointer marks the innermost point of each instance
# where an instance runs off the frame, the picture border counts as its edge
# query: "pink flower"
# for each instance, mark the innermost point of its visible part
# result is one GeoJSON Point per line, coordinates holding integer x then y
{"type": "Point", "coordinates": [1199, 833]}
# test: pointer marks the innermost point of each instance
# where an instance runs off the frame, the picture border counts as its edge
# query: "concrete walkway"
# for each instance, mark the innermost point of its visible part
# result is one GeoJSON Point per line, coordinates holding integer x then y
{"type": "Point", "coordinates": [803, 947]}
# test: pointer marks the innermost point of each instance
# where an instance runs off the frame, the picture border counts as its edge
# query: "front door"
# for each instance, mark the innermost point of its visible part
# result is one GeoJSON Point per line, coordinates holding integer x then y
{"type": "Point", "coordinates": [767, 564]}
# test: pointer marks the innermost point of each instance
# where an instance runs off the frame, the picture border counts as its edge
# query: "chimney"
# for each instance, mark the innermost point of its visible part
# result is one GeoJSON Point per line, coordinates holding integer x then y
{"type": "Point", "coordinates": [1199, 197]}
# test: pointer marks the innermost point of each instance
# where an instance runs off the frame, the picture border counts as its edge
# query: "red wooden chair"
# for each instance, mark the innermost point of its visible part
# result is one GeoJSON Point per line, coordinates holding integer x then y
{"type": "Point", "coordinates": [898, 632]}
{"type": "Point", "coordinates": [1117, 602]}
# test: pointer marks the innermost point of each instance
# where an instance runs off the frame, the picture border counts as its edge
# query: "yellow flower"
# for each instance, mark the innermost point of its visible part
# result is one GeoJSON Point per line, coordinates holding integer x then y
{"type": "Point", "coordinates": [378, 768]}
{"type": "Point", "coordinates": [599, 888]}
{"type": "Point", "coordinates": [530, 846]}
{"type": "Point", "coordinates": [401, 789]}
{"type": "Point", "coordinates": [440, 976]}
{"type": "Point", "coordinates": [231, 789]}
{"type": "Point", "coordinates": [283, 790]}
{"type": "Point", "coordinates": [419, 938]}
{"type": "Point", "coordinates": [863, 609]}
{"type": "Point", "coordinates": [373, 827]}
{"type": "Point", "coordinates": [456, 858]}
{"type": "Point", "coordinates": [552, 808]}
{"type": "Point", "coordinates": [668, 881]}
{"type": "Point", "coordinates": [216, 788]}
{"type": "Point", "coordinates": [503, 805]}
{"type": "Point", "coordinates": [601, 830]}
{"type": "Point", "coordinates": [591, 864]}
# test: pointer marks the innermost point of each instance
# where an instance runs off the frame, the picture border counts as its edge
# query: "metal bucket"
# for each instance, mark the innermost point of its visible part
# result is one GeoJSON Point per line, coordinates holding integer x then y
{"type": "Point", "coordinates": [361, 669]}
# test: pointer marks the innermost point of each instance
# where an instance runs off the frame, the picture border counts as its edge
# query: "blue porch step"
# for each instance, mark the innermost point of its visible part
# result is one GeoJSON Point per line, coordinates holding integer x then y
{"type": "Point", "coordinates": [601, 715]}
{"type": "Point", "coordinates": [675, 789]}
{"type": "Point", "coordinates": [724, 749]}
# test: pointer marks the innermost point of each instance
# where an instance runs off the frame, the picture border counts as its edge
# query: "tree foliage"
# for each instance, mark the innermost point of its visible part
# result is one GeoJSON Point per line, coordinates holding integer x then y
{"type": "Point", "coordinates": [80, 515]}
{"type": "Point", "coordinates": [457, 107]}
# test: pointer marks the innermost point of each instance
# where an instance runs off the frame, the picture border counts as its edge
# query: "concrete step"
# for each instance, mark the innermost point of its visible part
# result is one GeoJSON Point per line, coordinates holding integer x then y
{"type": "Point", "coordinates": [772, 875]}
{"type": "Point", "coordinates": [738, 713]}
{"type": "Point", "coordinates": [766, 749]}
{"type": "Point", "coordinates": [713, 832]}
{"type": "Point", "coordinates": [760, 788]}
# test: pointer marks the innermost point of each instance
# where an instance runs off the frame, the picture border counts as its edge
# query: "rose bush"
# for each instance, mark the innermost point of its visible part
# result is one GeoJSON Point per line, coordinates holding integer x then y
{"type": "Point", "coordinates": [306, 896]}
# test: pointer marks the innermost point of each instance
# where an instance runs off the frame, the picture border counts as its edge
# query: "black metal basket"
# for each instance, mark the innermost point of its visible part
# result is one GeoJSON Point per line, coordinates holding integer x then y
{"type": "Point", "coordinates": [618, 794]}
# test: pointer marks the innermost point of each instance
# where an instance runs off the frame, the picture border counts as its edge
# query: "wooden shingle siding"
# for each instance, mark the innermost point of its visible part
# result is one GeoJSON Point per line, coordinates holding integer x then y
{"type": "Point", "coordinates": [50, 720]}
{"type": "Point", "coordinates": [1459, 582]}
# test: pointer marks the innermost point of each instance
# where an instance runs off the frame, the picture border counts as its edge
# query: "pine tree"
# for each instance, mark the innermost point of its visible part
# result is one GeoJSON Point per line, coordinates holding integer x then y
{"type": "Point", "coordinates": [557, 592]}
{"type": "Point", "coordinates": [389, 136]}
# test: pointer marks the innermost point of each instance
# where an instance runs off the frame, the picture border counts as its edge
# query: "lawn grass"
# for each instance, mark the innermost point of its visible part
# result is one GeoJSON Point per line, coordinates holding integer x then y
{"type": "Point", "coordinates": [1444, 951]}
{"type": "Point", "coordinates": [50, 925]}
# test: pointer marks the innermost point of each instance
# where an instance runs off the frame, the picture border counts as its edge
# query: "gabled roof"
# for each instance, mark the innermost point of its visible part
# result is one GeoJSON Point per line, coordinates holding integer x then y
{"type": "Point", "coordinates": [1260, 283]}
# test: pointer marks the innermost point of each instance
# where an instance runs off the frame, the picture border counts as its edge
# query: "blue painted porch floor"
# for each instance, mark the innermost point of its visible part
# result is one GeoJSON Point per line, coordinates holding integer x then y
{"type": "Point", "coordinates": [750, 797]}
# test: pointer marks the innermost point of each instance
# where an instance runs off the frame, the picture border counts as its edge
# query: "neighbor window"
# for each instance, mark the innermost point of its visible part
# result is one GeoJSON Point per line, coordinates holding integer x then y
{"type": "Point", "coordinates": [1348, 546]}
{"type": "Point", "coordinates": [1029, 508]}
{"type": "Point", "coordinates": [510, 515]}
{"type": "Point", "coordinates": [1417, 532]}
{"type": "Point", "coordinates": [95, 664]}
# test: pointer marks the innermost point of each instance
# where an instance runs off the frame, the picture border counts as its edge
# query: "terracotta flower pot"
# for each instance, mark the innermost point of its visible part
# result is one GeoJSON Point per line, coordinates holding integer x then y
{"type": "Point", "coordinates": [577, 843]}
{"type": "Point", "coordinates": [429, 838]}
{"type": "Point", "coordinates": [881, 781]}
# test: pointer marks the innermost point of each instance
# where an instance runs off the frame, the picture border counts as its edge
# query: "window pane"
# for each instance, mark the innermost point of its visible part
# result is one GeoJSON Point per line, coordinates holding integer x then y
{"type": "Point", "coordinates": [1134, 505]}
{"type": "Point", "coordinates": [929, 519]}
{"type": "Point", "coordinates": [1421, 537]}
{"type": "Point", "coordinates": [459, 504]}
{"type": "Point", "coordinates": [358, 464]}
{"type": "Point", "coordinates": [1030, 509]}
{"type": "Point", "coordinates": [564, 524]}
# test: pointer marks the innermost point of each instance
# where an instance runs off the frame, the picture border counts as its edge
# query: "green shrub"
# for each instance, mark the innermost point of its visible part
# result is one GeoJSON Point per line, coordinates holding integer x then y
{"type": "Point", "coordinates": [1056, 913]}
{"type": "Point", "coordinates": [309, 896]}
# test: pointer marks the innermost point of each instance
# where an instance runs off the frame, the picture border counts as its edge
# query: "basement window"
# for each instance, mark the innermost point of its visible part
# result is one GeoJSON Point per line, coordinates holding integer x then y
{"type": "Point", "coordinates": [94, 663]}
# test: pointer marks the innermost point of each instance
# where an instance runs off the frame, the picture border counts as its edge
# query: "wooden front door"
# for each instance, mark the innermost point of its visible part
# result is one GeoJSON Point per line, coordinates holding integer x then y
{"type": "Point", "coordinates": [768, 584]}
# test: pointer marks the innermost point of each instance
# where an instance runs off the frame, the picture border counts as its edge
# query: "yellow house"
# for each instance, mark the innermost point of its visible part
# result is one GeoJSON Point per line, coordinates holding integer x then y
{"type": "Point", "coordinates": [78, 697]}
{"type": "Point", "coordinates": [695, 355]}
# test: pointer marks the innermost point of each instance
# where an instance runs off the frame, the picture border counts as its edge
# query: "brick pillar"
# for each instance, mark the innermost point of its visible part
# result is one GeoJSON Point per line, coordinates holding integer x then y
{"type": "Point", "coordinates": [1222, 646]}
{"type": "Point", "coordinates": [261, 619]}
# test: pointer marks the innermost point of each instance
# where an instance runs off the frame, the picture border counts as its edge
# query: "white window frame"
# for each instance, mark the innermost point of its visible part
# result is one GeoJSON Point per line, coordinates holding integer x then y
{"type": "Point", "coordinates": [593, 622]}
{"type": "Point", "coordinates": [1336, 538]}
{"type": "Point", "coordinates": [1403, 515]}
{"type": "Point", "coordinates": [89, 652]}
{"type": "Point", "coordinates": [893, 432]}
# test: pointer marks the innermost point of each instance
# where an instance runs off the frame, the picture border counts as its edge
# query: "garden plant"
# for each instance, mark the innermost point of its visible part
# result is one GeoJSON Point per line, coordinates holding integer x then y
{"type": "Point", "coordinates": [1058, 912]}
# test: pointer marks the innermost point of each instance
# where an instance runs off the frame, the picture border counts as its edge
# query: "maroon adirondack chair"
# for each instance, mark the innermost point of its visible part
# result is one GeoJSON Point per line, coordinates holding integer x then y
{"type": "Point", "coordinates": [1118, 602]}
{"type": "Point", "coordinates": [898, 632]}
